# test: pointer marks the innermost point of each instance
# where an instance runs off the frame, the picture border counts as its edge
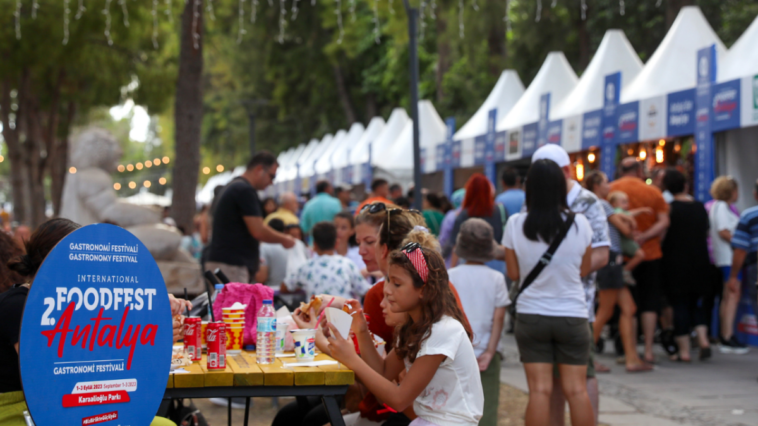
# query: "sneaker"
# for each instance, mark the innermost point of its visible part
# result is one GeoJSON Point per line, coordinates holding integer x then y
{"type": "Point", "coordinates": [237, 403]}
{"type": "Point", "coordinates": [732, 346]}
{"type": "Point", "coordinates": [628, 278]}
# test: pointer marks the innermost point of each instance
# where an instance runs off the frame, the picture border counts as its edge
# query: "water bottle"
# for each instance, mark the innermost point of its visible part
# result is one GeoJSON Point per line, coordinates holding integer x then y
{"type": "Point", "coordinates": [266, 341]}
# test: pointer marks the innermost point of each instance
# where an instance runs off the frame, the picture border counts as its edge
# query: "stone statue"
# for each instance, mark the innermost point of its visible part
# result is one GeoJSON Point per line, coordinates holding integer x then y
{"type": "Point", "coordinates": [88, 197]}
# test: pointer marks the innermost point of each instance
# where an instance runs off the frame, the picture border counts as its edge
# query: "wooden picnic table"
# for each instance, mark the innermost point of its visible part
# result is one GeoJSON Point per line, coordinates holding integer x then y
{"type": "Point", "coordinates": [244, 377]}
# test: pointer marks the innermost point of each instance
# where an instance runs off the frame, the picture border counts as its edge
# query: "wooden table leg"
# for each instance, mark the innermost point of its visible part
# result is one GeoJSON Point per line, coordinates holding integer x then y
{"type": "Point", "coordinates": [333, 410]}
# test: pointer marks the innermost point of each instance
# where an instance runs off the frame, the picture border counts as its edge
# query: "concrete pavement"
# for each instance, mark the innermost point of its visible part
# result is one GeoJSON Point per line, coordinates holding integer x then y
{"type": "Point", "coordinates": [719, 392]}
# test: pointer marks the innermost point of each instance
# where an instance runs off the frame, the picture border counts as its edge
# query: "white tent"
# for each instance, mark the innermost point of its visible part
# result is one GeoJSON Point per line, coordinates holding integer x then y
{"type": "Point", "coordinates": [507, 91]}
{"type": "Point", "coordinates": [324, 162]}
{"type": "Point", "coordinates": [673, 65]}
{"type": "Point", "coordinates": [555, 77]}
{"type": "Point", "coordinates": [341, 156]}
{"type": "Point", "coordinates": [301, 153]}
{"type": "Point", "coordinates": [615, 54]}
{"type": "Point", "coordinates": [742, 58]}
{"type": "Point", "coordinates": [359, 153]}
{"type": "Point", "coordinates": [307, 164]}
{"type": "Point", "coordinates": [146, 198]}
{"type": "Point", "coordinates": [382, 142]}
{"type": "Point", "coordinates": [283, 174]}
{"type": "Point", "coordinates": [397, 161]}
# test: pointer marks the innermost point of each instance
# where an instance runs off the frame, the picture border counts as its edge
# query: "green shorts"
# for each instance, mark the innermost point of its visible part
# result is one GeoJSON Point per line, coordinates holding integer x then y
{"type": "Point", "coordinates": [628, 246]}
{"type": "Point", "coordinates": [559, 340]}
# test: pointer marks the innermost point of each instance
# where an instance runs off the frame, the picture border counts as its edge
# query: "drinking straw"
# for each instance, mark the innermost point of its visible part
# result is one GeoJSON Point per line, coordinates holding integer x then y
{"type": "Point", "coordinates": [208, 292]}
{"type": "Point", "coordinates": [186, 309]}
{"type": "Point", "coordinates": [323, 310]}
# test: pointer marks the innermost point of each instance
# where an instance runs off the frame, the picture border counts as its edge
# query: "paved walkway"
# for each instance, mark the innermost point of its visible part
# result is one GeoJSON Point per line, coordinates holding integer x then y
{"type": "Point", "coordinates": [719, 392]}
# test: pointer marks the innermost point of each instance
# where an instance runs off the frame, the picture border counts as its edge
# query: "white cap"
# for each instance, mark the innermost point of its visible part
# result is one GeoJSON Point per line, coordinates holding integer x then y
{"type": "Point", "coordinates": [553, 152]}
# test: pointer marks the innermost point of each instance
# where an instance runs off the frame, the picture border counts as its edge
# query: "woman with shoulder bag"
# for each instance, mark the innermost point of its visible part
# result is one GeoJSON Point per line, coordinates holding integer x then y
{"type": "Point", "coordinates": [548, 250]}
{"type": "Point", "coordinates": [610, 281]}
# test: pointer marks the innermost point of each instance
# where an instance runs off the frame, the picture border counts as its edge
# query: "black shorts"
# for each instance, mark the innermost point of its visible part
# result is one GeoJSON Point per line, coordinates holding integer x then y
{"type": "Point", "coordinates": [559, 340]}
{"type": "Point", "coordinates": [647, 293]}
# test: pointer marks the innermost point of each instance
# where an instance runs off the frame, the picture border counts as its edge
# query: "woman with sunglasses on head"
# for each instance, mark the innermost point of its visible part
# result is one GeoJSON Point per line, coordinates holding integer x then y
{"type": "Point", "coordinates": [548, 249]}
{"type": "Point", "coordinates": [434, 345]}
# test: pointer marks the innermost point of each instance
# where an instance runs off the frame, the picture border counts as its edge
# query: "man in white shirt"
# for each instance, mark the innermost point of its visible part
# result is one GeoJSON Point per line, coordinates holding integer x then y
{"type": "Point", "coordinates": [585, 202]}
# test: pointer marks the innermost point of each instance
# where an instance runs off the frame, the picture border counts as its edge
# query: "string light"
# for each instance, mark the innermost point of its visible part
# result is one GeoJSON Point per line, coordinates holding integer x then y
{"type": "Point", "coordinates": [338, 11]}
{"type": "Point", "coordinates": [622, 8]}
{"type": "Point", "coordinates": [121, 168]}
{"type": "Point", "coordinates": [107, 13]}
{"type": "Point", "coordinates": [658, 3]}
{"type": "Point", "coordinates": [241, 31]}
{"type": "Point", "coordinates": [553, 4]}
{"type": "Point", "coordinates": [157, 161]}
{"type": "Point", "coordinates": [168, 13]}
{"type": "Point", "coordinates": [584, 10]}
{"type": "Point", "coordinates": [392, 7]}
{"type": "Point", "coordinates": [66, 13]}
{"type": "Point", "coordinates": [206, 170]}
{"type": "Point", "coordinates": [475, 5]}
{"type": "Point", "coordinates": [421, 8]}
{"type": "Point", "coordinates": [539, 11]}
{"type": "Point", "coordinates": [146, 184]}
{"type": "Point", "coordinates": [254, 11]}
{"type": "Point", "coordinates": [2, 158]}
{"type": "Point", "coordinates": [17, 18]}
{"type": "Point", "coordinates": [80, 10]}
{"type": "Point", "coordinates": [35, 6]}
{"type": "Point", "coordinates": [72, 170]}
{"type": "Point", "coordinates": [294, 9]}
{"type": "Point", "coordinates": [132, 185]}
{"type": "Point", "coordinates": [165, 160]}
{"type": "Point", "coordinates": [579, 171]}
{"type": "Point", "coordinates": [138, 166]}
{"type": "Point", "coordinates": [195, 19]}
{"type": "Point", "coordinates": [433, 5]}
{"type": "Point", "coordinates": [662, 142]}
{"type": "Point", "coordinates": [154, 12]}
{"type": "Point", "coordinates": [352, 10]}
{"type": "Point", "coordinates": [643, 154]}
{"type": "Point", "coordinates": [507, 17]}
{"type": "Point", "coordinates": [209, 8]}
{"type": "Point", "coordinates": [376, 21]}
{"type": "Point", "coordinates": [117, 186]}
{"type": "Point", "coordinates": [460, 18]}
{"type": "Point", "coordinates": [125, 11]}
{"type": "Point", "coordinates": [282, 20]}
{"type": "Point", "coordinates": [148, 164]}
{"type": "Point", "coordinates": [219, 168]}
{"type": "Point", "coordinates": [591, 157]}
{"type": "Point", "coordinates": [162, 181]}
{"type": "Point", "coordinates": [659, 154]}
{"type": "Point", "coordinates": [130, 167]}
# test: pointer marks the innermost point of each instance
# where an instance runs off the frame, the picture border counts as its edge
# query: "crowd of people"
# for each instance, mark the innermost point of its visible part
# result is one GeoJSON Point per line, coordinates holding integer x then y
{"type": "Point", "coordinates": [433, 291]}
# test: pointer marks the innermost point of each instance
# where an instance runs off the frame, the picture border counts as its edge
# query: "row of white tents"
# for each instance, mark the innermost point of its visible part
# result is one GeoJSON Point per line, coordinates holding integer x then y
{"type": "Point", "coordinates": [659, 95]}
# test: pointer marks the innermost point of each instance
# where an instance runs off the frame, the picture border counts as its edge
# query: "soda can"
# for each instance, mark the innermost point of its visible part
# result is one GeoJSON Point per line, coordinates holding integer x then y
{"type": "Point", "coordinates": [215, 338]}
{"type": "Point", "coordinates": [192, 342]}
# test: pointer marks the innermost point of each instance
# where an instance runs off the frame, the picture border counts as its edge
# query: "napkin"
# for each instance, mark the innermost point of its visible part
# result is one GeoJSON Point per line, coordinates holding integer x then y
{"type": "Point", "coordinates": [340, 319]}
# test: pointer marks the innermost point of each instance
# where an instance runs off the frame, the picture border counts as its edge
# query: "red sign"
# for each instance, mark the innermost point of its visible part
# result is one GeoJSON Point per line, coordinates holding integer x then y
{"type": "Point", "coordinates": [100, 418]}
{"type": "Point", "coordinates": [94, 398]}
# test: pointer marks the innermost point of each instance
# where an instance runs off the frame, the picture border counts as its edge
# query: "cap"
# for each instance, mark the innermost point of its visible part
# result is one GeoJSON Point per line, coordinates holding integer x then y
{"type": "Point", "coordinates": [268, 302]}
{"type": "Point", "coordinates": [218, 286]}
{"type": "Point", "coordinates": [552, 152]}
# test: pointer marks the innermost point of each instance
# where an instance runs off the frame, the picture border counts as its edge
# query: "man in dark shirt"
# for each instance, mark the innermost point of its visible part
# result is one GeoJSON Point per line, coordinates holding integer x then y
{"type": "Point", "coordinates": [238, 222]}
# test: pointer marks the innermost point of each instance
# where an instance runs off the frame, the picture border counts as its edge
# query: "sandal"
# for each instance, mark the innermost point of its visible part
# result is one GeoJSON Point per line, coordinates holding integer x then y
{"type": "Point", "coordinates": [679, 358]}
{"type": "Point", "coordinates": [641, 368]}
{"type": "Point", "coordinates": [601, 368]}
{"type": "Point", "coordinates": [705, 354]}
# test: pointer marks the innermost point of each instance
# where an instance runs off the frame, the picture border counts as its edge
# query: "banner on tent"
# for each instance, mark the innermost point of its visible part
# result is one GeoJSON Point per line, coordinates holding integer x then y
{"type": "Point", "coordinates": [455, 154]}
{"type": "Point", "coordinates": [544, 120]}
{"type": "Point", "coordinates": [480, 150]}
{"type": "Point", "coordinates": [749, 97]}
{"type": "Point", "coordinates": [628, 122]}
{"type": "Point", "coordinates": [422, 160]}
{"type": "Point", "coordinates": [554, 130]}
{"type": "Point", "coordinates": [514, 144]}
{"type": "Point", "coordinates": [447, 157]}
{"type": "Point", "coordinates": [704, 161]}
{"type": "Point", "coordinates": [529, 140]}
{"type": "Point", "coordinates": [500, 146]}
{"type": "Point", "coordinates": [489, 148]}
{"type": "Point", "coordinates": [725, 107]}
{"type": "Point", "coordinates": [592, 125]}
{"type": "Point", "coordinates": [652, 123]}
{"type": "Point", "coordinates": [440, 152]}
{"type": "Point", "coordinates": [681, 113]}
{"type": "Point", "coordinates": [571, 133]}
{"type": "Point", "coordinates": [612, 94]}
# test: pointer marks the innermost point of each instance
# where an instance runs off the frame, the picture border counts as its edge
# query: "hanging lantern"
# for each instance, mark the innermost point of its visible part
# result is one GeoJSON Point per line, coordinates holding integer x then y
{"type": "Point", "coordinates": [643, 154]}
{"type": "Point", "coordinates": [579, 170]}
{"type": "Point", "coordinates": [591, 157]}
{"type": "Point", "coordinates": [659, 154]}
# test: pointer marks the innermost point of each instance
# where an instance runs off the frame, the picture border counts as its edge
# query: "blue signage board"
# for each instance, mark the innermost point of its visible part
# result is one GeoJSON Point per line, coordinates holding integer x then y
{"type": "Point", "coordinates": [680, 120]}
{"type": "Point", "coordinates": [627, 122]}
{"type": "Point", "coordinates": [544, 119]}
{"type": "Point", "coordinates": [500, 143]}
{"type": "Point", "coordinates": [529, 140]}
{"type": "Point", "coordinates": [704, 161]}
{"type": "Point", "coordinates": [440, 153]}
{"type": "Point", "coordinates": [725, 112]}
{"type": "Point", "coordinates": [480, 149]}
{"type": "Point", "coordinates": [313, 180]}
{"type": "Point", "coordinates": [455, 154]}
{"type": "Point", "coordinates": [298, 188]}
{"type": "Point", "coordinates": [612, 93]}
{"type": "Point", "coordinates": [447, 152]}
{"type": "Point", "coordinates": [489, 151]}
{"type": "Point", "coordinates": [422, 159]}
{"type": "Point", "coordinates": [96, 335]}
{"type": "Point", "coordinates": [554, 131]}
{"type": "Point", "coordinates": [592, 124]}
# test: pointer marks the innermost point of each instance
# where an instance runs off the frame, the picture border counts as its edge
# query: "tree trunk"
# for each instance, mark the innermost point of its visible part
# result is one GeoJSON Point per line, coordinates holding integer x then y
{"type": "Point", "coordinates": [188, 115]}
{"type": "Point", "coordinates": [370, 107]}
{"type": "Point", "coordinates": [11, 136]}
{"type": "Point", "coordinates": [344, 96]}
{"type": "Point", "coordinates": [35, 159]}
{"type": "Point", "coordinates": [59, 161]}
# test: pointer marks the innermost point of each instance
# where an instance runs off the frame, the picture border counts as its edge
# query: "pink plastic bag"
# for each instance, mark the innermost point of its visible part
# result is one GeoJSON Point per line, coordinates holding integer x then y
{"type": "Point", "coordinates": [251, 295]}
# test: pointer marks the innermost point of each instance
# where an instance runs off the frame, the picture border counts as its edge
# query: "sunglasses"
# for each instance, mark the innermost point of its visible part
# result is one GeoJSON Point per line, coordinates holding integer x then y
{"type": "Point", "coordinates": [410, 247]}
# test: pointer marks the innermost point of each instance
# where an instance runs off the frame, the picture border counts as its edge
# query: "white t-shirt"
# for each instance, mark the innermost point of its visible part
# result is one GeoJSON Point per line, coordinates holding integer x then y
{"type": "Point", "coordinates": [354, 255]}
{"type": "Point", "coordinates": [482, 290]}
{"type": "Point", "coordinates": [454, 396]}
{"type": "Point", "coordinates": [722, 218]}
{"type": "Point", "coordinates": [558, 290]}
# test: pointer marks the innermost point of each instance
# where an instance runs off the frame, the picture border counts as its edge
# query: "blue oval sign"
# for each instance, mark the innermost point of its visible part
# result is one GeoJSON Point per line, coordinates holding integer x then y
{"type": "Point", "coordinates": [96, 338]}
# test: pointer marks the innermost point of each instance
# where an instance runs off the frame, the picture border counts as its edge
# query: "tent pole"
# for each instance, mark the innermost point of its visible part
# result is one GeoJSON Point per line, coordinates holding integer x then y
{"type": "Point", "coordinates": [413, 66]}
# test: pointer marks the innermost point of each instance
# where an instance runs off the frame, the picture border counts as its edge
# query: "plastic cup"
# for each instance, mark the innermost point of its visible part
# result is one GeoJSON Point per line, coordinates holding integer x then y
{"type": "Point", "coordinates": [305, 344]}
{"type": "Point", "coordinates": [234, 316]}
{"type": "Point", "coordinates": [203, 327]}
{"type": "Point", "coordinates": [226, 311]}
{"type": "Point", "coordinates": [234, 337]}
{"type": "Point", "coordinates": [281, 329]}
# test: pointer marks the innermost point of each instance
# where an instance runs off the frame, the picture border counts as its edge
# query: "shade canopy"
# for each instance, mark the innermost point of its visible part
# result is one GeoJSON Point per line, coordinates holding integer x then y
{"type": "Point", "coordinates": [673, 65]}
{"type": "Point", "coordinates": [399, 157]}
{"type": "Point", "coordinates": [555, 77]}
{"type": "Point", "coordinates": [507, 91]}
{"type": "Point", "coordinates": [307, 168]}
{"type": "Point", "coordinates": [341, 157]}
{"type": "Point", "coordinates": [742, 58]}
{"type": "Point", "coordinates": [324, 162]}
{"type": "Point", "coordinates": [359, 153]}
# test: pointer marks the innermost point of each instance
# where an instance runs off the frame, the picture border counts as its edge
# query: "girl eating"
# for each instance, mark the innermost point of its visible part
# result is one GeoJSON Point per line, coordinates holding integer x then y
{"type": "Point", "coordinates": [433, 345]}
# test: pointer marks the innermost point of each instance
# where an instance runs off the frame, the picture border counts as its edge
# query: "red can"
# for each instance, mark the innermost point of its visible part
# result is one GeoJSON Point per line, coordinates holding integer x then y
{"type": "Point", "coordinates": [192, 342]}
{"type": "Point", "coordinates": [215, 340]}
